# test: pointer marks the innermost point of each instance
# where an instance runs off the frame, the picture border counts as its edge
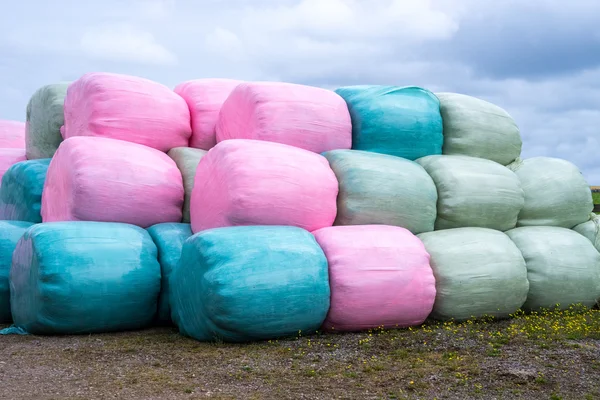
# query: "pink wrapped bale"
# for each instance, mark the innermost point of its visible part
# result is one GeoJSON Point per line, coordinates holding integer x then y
{"type": "Point", "coordinates": [307, 117]}
{"type": "Point", "coordinates": [109, 180]}
{"type": "Point", "coordinates": [128, 108]}
{"type": "Point", "coordinates": [379, 276]}
{"type": "Point", "coordinates": [9, 157]}
{"type": "Point", "coordinates": [12, 134]}
{"type": "Point", "coordinates": [204, 98]}
{"type": "Point", "coordinates": [252, 182]}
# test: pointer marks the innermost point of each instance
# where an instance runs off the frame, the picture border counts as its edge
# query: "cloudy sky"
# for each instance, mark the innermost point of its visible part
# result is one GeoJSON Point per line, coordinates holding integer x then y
{"type": "Point", "coordinates": [538, 59]}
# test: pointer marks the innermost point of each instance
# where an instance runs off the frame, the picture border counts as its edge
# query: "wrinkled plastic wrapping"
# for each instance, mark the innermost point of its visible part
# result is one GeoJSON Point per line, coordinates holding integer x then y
{"type": "Point", "coordinates": [12, 134]}
{"type": "Point", "coordinates": [9, 157]}
{"type": "Point", "coordinates": [250, 283]}
{"type": "Point", "coordinates": [10, 233]}
{"type": "Point", "coordinates": [591, 230]}
{"type": "Point", "coordinates": [382, 189]}
{"type": "Point", "coordinates": [563, 267]}
{"type": "Point", "coordinates": [476, 128]}
{"type": "Point", "coordinates": [556, 193]}
{"type": "Point", "coordinates": [108, 180]}
{"type": "Point", "coordinates": [379, 277]}
{"type": "Point", "coordinates": [45, 116]}
{"type": "Point", "coordinates": [307, 117]}
{"type": "Point", "coordinates": [21, 191]}
{"type": "Point", "coordinates": [253, 182]}
{"type": "Point", "coordinates": [187, 160]}
{"type": "Point", "coordinates": [127, 108]}
{"type": "Point", "coordinates": [84, 277]}
{"type": "Point", "coordinates": [478, 272]}
{"type": "Point", "coordinates": [400, 121]}
{"type": "Point", "coordinates": [169, 239]}
{"type": "Point", "coordinates": [474, 192]}
{"type": "Point", "coordinates": [204, 98]}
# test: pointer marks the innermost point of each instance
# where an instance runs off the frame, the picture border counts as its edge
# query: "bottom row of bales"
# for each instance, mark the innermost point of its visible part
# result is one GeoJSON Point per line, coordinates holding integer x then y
{"type": "Point", "coordinates": [264, 282]}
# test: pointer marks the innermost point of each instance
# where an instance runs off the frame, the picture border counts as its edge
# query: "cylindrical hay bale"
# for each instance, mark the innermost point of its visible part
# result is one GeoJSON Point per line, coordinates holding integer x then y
{"type": "Point", "coordinates": [9, 157]}
{"type": "Point", "coordinates": [21, 191]}
{"type": "Point", "coordinates": [399, 121]}
{"type": "Point", "coordinates": [591, 230]}
{"type": "Point", "coordinates": [556, 193]}
{"type": "Point", "coordinates": [108, 180]}
{"type": "Point", "coordinates": [379, 276]}
{"type": "Point", "coordinates": [477, 128]}
{"type": "Point", "coordinates": [12, 134]}
{"type": "Point", "coordinates": [474, 192]}
{"type": "Point", "coordinates": [128, 108]}
{"type": "Point", "coordinates": [382, 189]}
{"type": "Point", "coordinates": [253, 182]}
{"type": "Point", "coordinates": [204, 98]}
{"type": "Point", "coordinates": [307, 117]}
{"type": "Point", "coordinates": [250, 283]}
{"type": "Point", "coordinates": [84, 277]}
{"type": "Point", "coordinates": [563, 267]}
{"type": "Point", "coordinates": [478, 272]}
{"type": "Point", "coordinates": [187, 160]}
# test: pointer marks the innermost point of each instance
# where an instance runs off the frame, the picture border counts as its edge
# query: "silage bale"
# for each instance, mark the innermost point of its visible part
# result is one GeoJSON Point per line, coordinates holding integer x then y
{"type": "Point", "coordinates": [249, 283]}
{"type": "Point", "coordinates": [109, 180]}
{"type": "Point", "coordinates": [474, 192]}
{"type": "Point", "coordinates": [556, 193]}
{"type": "Point", "coordinates": [187, 160]}
{"type": "Point", "coordinates": [9, 157]}
{"type": "Point", "coordinates": [591, 230]}
{"type": "Point", "coordinates": [379, 277]}
{"type": "Point", "coordinates": [127, 108]}
{"type": "Point", "coordinates": [477, 128]}
{"type": "Point", "coordinates": [12, 134]}
{"type": "Point", "coordinates": [382, 189]}
{"type": "Point", "coordinates": [254, 182]}
{"type": "Point", "coordinates": [10, 233]}
{"type": "Point", "coordinates": [21, 191]}
{"type": "Point", "coordinates": [563, 267]}
{"type": "Point", "coordinates": [399, 121]}
{"type": "Point", "coordinates": [169, 239]}
{"type": "Point", "coordinates": [478, 272]}
{"type": "Point", "coordinates": [204, 98]}
{"type": "Point", "coordinates": [84, 277]}
{"type": "Point", "coordinates": [307, 117]}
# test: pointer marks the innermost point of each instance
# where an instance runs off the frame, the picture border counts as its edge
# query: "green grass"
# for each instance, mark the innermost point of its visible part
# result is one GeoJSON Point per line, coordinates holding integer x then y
{"type": "Point", "coordinates": [596, 197]}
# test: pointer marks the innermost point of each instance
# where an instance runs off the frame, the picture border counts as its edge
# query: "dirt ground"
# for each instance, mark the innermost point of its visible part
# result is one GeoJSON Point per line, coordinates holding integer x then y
{"type": "Point", "coordinates": [551, 356]}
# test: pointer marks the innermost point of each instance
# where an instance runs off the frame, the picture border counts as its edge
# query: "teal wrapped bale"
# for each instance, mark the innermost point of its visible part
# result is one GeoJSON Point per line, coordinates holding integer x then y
{"type": "Point", "coordinates": [84, 277]}
{"type": "Point", "coordinates": [563, 267]}
{"type": "Point", "coordinates": [399, 121]}
{"type": "Point", "coordinates": [21, 191]}
{"type": "Point", "coordinates": [187, 160]}
{"type": "Point", "coordinates": [591, 230]}
{"type": "Point", "coordinates": [249, 283]}
{"type": "Point", "coordinates": [10, 233]}
{"type": "Point", "coordinates": [382, 189]}
{"type": "Point", "coordinates": [45, 116]}
{"type": "Point", "coordinates": [478, 272]}
{"type": "Point", "coordinates": [169, 239]}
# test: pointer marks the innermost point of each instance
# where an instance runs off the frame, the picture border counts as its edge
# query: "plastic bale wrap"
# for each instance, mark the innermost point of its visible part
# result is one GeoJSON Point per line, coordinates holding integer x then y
{"type": "Point", "coordinates": [400, 121]}
{"type": "Point", "coordinates": [45, 116]}
{"type": "Point", "coordinates": [108, 180]}
{"type": "Point", "coordinates": [187, 160]}
{"type": "Point", "coordinates": [563, 267]}
{"type": "Point", "coordinates": [379, 277]}
{"type": "Point", "coordinates": [204, 98]}
{"type": "Point", "coordinates": [478, 272]}
{"type": "Point", "coordinates": [9, 157]}
{"type": "Point", "coordinates": [12, 134]}
{"type": "Point", "coordinates": [21, 191]}
{"type": "Point", "coordinates": [10, 233]}
{"type": "Point", "coordinates": [169, 239]}
{"type": "Point", "coordinates": [128, 108]}
{"type": "Point", "coordinates": [591, 230]}
{"type": "Point", "coordinates": [476, 128]}
{"type": "Point", "coordinates": [474, 192]}
{"type": "Point", "coordinates": [382, 189]}
{"type": "Point", "coordinates": [252, 182]}
{"type": "Point", "coordinates": [307, 117]}
{"type": "Point", "coordinates": [250, 283]}
{"type": "Point", "coordinates": [84, 277]}
{"type": "Point", "coordinates": [556, 193]}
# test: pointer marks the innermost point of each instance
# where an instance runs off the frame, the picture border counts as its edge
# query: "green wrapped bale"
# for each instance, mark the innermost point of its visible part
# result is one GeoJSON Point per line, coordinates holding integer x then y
{"type": "Point", "coordinates": [21, 191]}
{"type": "Point", "coordinates": [249, 283]}
{"type": "Point", "coordinates": [187, 160]}
{"type": "Point", "coordinates": [477, 128]}
{"type": "Point", "coordinates": [478, 272]}
{"type": "Point", "coordinates": [591, 230]}
{"type": "Point", "coordinates": [382, 189]}
{"type": "Point", "coordinates": [563, 267]}
{"type": "Point", "coordinates": [169, 239]}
